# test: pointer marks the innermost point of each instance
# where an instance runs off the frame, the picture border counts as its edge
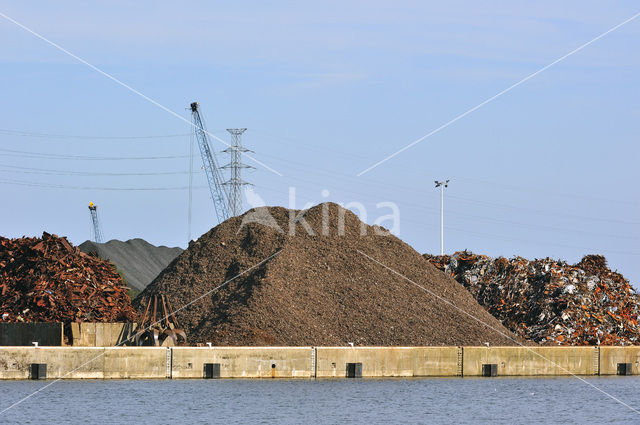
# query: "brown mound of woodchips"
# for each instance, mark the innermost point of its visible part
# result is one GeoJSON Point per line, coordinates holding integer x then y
{"type": "Point", "coordinates": [317, 287]}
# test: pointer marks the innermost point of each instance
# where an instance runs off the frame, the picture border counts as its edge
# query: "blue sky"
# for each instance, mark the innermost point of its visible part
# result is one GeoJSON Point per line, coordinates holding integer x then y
{"type": "Point", "coordinates": [326, 90]}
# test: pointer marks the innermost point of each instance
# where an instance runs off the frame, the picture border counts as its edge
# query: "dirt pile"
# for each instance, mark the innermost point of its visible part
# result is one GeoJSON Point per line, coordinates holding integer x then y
{"type": "Point", "coordinates": [139, 261]}
{"type": "Point", "coordinates": [549, 301]}
{"type": "Point", "coordinates": [280, 285]}
{"type": "Point", "coordinates": [49, 280]}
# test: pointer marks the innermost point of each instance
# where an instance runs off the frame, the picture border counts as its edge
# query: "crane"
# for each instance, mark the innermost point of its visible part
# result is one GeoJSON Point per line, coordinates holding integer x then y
{"type": "Point", "coordinates": [218, 191]}
{"type": "Point", "coordinates": [93, 211]}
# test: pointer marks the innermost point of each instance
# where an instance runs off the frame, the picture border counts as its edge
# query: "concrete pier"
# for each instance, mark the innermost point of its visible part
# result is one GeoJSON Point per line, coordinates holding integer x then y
{"type": "Point", "coordinates": [315, 362]}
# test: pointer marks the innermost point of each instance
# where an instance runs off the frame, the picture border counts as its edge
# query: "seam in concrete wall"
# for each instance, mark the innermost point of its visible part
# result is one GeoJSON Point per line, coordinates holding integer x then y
{"type": "Point", "coordinates": [314, 362]}
{"type": "Point", "coordinates": [169, 362]}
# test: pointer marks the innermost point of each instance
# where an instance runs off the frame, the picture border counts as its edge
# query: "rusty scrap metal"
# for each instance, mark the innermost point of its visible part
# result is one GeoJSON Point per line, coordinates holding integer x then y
{"type": "Point", "coordinates": [49, 280]}
{"type": "Point", "coordinates": [549, 301]}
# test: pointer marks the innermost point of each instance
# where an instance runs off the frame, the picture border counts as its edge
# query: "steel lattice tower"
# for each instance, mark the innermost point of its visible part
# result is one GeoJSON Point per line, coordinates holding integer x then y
{"type": "Point", "coordinates": [97, 234]}
{"type": "Point", "coordinates": [236, 165]}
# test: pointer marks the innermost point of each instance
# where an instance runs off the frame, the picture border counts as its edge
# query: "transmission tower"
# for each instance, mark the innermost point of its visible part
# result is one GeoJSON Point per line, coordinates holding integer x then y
{"type": "Point", "coordinates": [97, 234]}
{"type": "Point", "coordinates": [235, 181]}
{"type": "Point", "coordinates": [210, 165]}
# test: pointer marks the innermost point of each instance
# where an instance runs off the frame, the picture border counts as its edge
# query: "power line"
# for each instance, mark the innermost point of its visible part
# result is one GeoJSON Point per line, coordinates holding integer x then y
{"type": "Point", "coordinates": [298, 144]}
{"type": "Point", "coordinates": [483, 234]}
{"type": "Point", "coordinates": [493, 219]}
{"type": "Point", "coordinates": [46, 172]}
{"type": "Point", "coordinates": [333, 175]}
{"type": "Point", "coordinates": [26, 154]}
{"type": "Point", "coordinates": [190, 207]}
{"type": "Point", "coordinates": [374, 183]}
{"type": "Point", "coordinates": [368, 182]}
{"type": "Point", "coordinates": [520, 240]}
{"type": "Point", "coordinates": [544, 190]}
{"type": "Point", "coordinates": [59, 186]}
{"type": "Point", "coordinates": [22, 133]}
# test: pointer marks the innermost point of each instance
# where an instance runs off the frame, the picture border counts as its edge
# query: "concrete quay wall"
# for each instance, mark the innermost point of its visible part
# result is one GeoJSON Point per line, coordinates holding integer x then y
{"type": "Point", "coordinates": [532, 361]}
{"type": "Point", "coordinates": [611, 356]}
{"type": "Point", "coordinates": [85, 362]}
{"type": "Point", "coordinates": [243, 362]}
{"type": "Point", "coordinates": [313, 362]}
{"type": "Point", "coordinates": [387, 362]}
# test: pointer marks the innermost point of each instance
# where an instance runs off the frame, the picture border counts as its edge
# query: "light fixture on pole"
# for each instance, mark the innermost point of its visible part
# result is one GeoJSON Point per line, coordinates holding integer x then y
{"type": "Point", "coordinates": [442, 185]}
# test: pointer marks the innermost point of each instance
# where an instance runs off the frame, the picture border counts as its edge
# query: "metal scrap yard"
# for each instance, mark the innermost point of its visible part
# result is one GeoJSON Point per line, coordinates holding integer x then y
{"type": "Point", "coordinates": [551, 302]}
{"type": "Point", "coordinates": [346, 298]}
{"type": "Point", "coordinates": [336, 212]}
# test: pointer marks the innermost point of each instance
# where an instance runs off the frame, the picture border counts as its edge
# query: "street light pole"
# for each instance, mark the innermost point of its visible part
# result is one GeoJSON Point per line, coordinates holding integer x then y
{"type": "Point", "coordinates": [442, 185]}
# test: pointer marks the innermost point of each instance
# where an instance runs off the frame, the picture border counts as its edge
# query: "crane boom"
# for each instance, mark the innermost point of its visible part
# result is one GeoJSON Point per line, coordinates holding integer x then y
{"type": "Point", "coordinates": [218, 191]}
{"type": "Point", "coordinates": [97, 232]}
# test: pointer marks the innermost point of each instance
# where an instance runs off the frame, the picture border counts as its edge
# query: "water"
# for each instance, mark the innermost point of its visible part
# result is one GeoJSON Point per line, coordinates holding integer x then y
{"type": "Point", "coordinates": [370, 401]}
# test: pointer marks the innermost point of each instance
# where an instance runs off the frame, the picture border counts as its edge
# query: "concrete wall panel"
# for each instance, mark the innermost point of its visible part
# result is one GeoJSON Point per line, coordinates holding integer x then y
{"type": "Point", "coordinates": [137, 362]}
{"type": "Point", "coordinates": [388, 361]}
{"type": "Point", "coordinates": [244, 362]}
{"type": "Point", "coordinates": [62, 362]}
{"type": "Point", "coordinates": [529, 361]}
{"type": "Point", "coordinates": [611, 356]}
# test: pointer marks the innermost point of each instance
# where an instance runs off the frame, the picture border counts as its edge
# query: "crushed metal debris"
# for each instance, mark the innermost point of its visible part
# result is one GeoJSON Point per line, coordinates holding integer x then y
{"type": "Point", "coordinates": [49, 280]}
{"type": "Point", "coordinates": [549, 301]}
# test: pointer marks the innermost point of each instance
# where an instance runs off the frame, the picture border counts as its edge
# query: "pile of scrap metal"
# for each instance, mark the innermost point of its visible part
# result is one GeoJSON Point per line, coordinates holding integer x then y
{"type": "Point", "coordinates": [159, 325]}
{"type": "Point", "coordinates": [549, 301]}
{"type": "Point", "coordinates": [49, 280]}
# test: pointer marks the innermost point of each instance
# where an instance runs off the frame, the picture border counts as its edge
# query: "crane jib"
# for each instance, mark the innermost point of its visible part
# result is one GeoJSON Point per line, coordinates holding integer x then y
{"type": "Point", "coordinates": [211, 168]}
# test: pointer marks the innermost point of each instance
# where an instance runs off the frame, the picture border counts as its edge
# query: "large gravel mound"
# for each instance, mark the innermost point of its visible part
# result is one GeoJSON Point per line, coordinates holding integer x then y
{"type": "Point", "coordinates": [139, 261]}
{"type": "Point", "coordinates": [316, 289]}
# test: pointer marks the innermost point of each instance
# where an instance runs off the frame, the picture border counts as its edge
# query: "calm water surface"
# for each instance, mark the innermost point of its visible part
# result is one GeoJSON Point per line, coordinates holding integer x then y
{"type": "Point", "coordinates": [370, 401]}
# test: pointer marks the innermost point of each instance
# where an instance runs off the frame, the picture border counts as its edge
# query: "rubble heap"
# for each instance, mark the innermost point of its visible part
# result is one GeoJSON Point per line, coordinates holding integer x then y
{"type": "Point", "coordinates": [49, 280]}
{"type": "Point", "coordinates": [263, 279]}
{"type": "Point", "coordinates": [549, 301]}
